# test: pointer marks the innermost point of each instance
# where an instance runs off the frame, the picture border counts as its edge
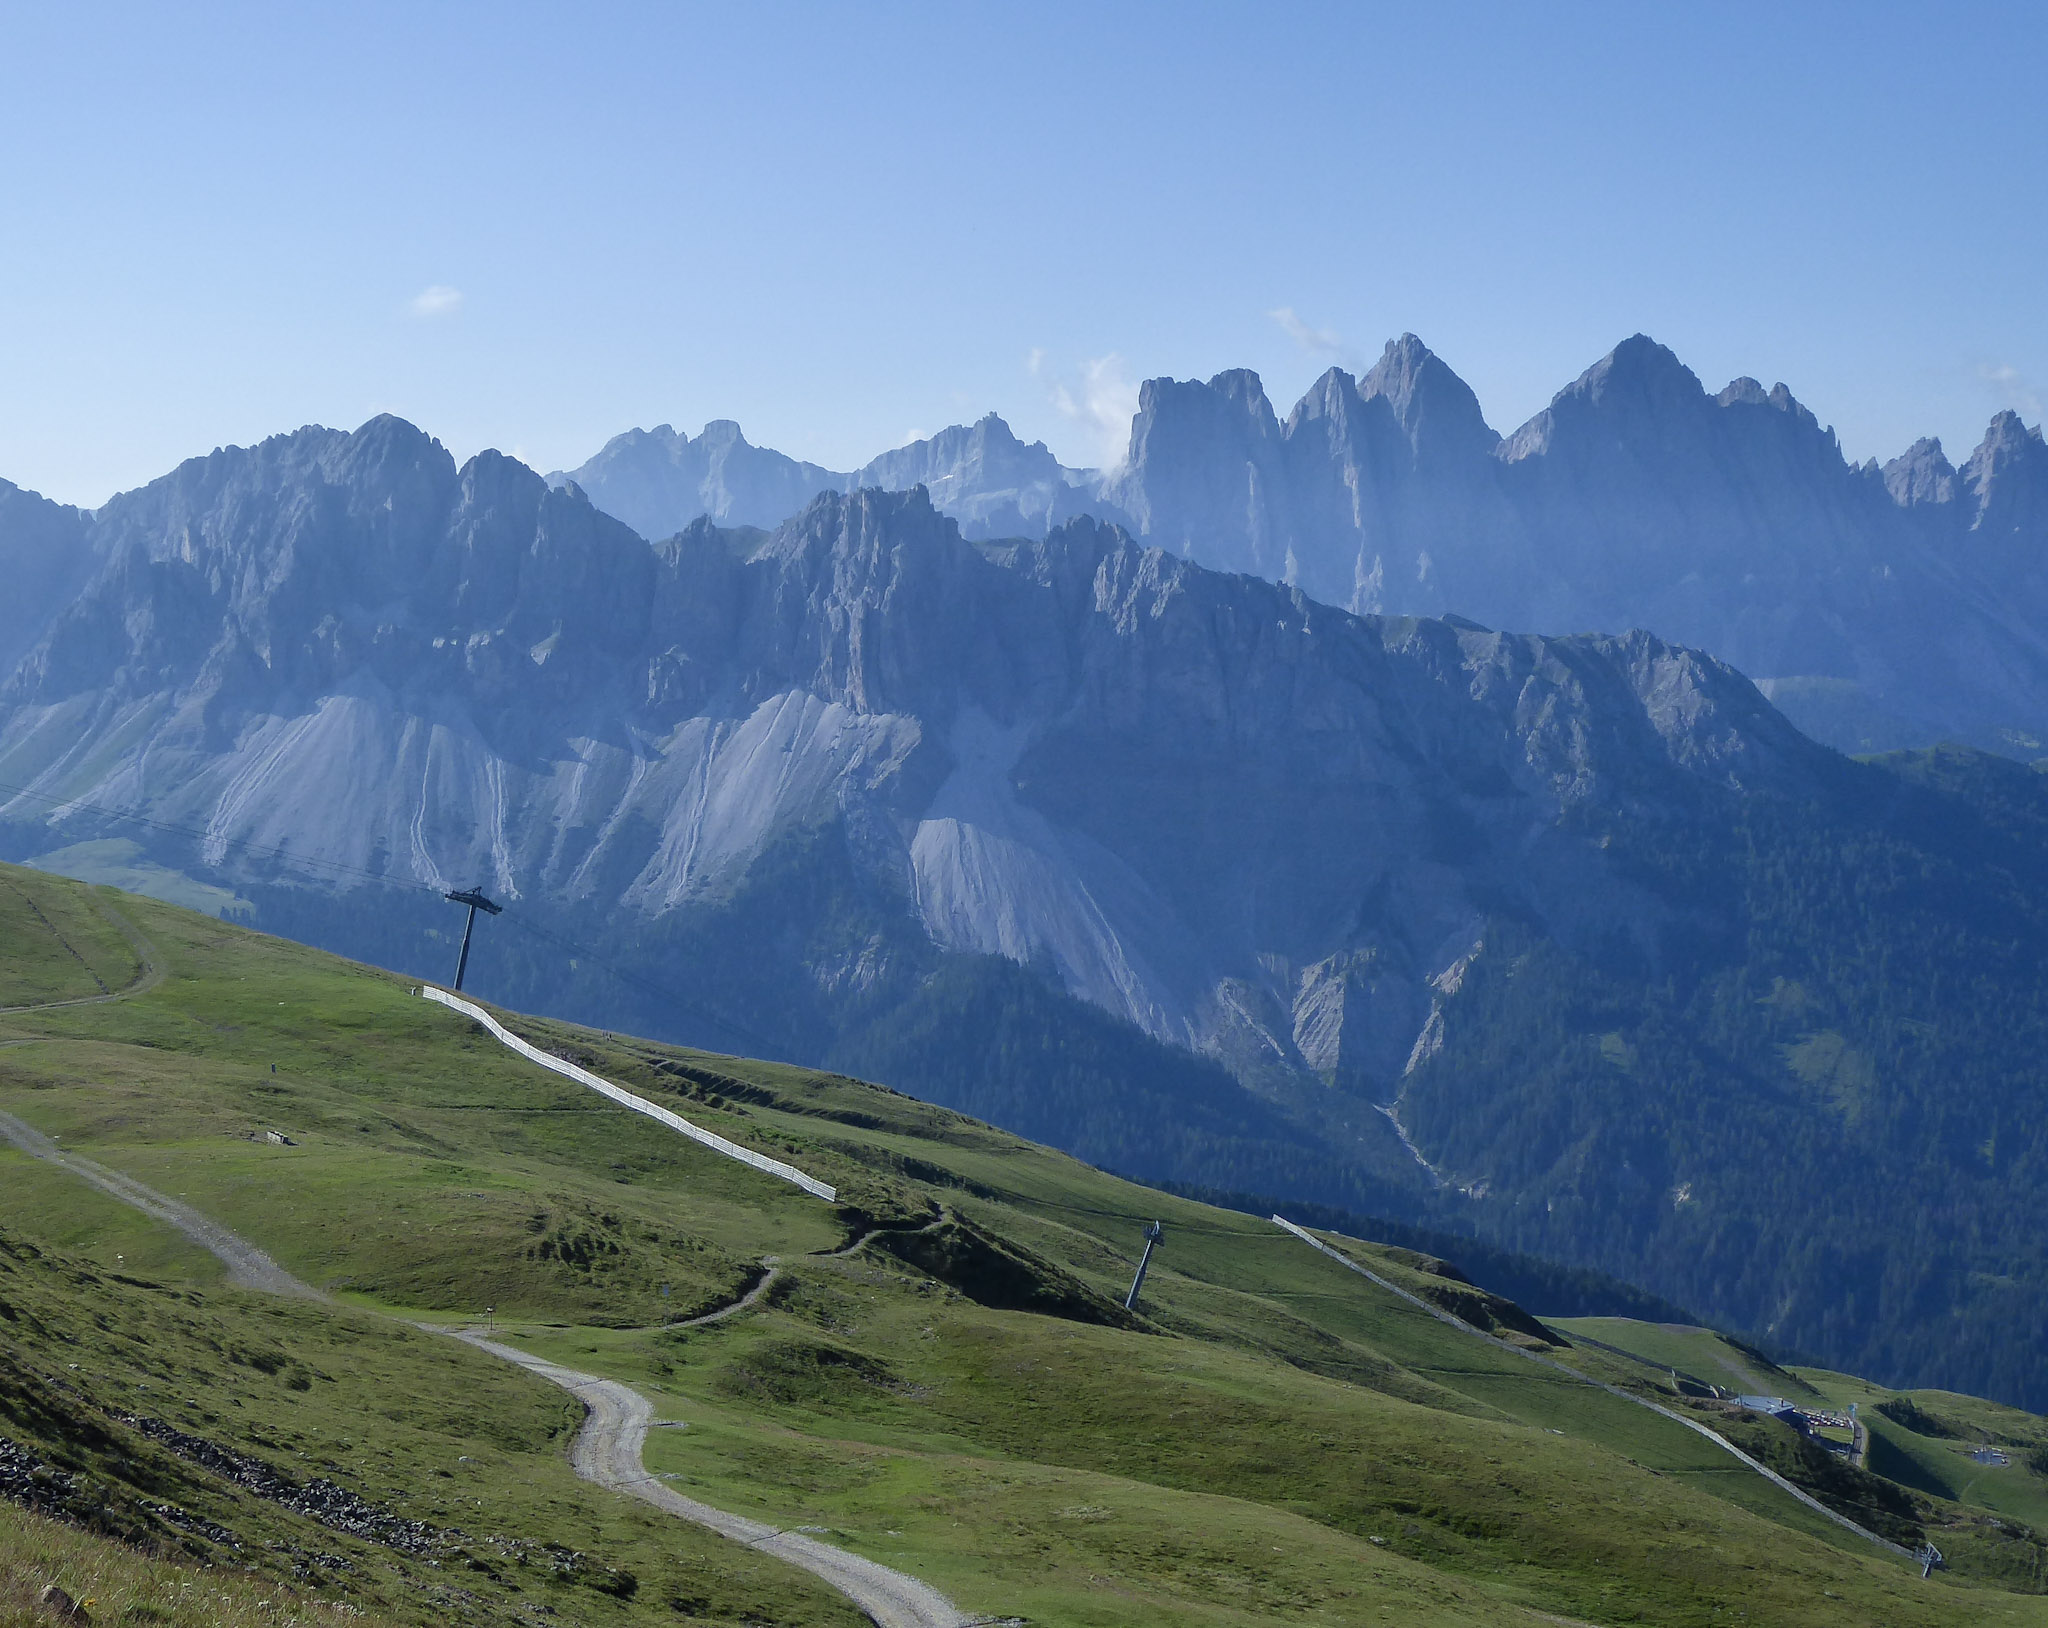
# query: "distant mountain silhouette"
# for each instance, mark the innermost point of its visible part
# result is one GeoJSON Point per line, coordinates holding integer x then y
{"type": "Point", "coordinates": [1880, 607]}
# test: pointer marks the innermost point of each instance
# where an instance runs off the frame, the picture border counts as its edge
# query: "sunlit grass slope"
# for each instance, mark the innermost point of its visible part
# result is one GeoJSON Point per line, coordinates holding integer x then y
{"type": "Point", "coordinates": [93, 1359]}
{"type": "Point", "coordinates": [1272, 1439]}
{"type": "Point", "coordinates": [59, 943]}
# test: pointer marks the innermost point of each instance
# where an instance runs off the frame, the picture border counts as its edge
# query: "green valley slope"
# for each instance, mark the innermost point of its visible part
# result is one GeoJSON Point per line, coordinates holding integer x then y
{"type": "Point", "coordinates": [936, 1372]}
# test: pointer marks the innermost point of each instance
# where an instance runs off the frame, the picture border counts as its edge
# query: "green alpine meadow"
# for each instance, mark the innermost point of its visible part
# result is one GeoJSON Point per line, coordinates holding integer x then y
{"type": "Point", "coordinates": [934, 1370]}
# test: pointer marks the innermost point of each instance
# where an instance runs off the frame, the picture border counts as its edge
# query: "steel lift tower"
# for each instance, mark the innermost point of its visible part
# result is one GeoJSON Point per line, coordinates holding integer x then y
{"type": "Point", "coordinates": [1152, 1236]}
{"type": "Point", "coordinates": [474, 898]}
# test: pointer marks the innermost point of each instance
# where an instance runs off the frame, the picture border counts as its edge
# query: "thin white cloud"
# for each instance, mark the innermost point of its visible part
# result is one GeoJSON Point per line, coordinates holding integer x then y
{"type": "Point", "coordinates": [1101, 402]}
{"type": "Point", "coordinates": [439, 300]}
{"type": "Point", "coordinates": [2009, 387]}
{"type": "Point", "coordinates": [1035, 362]}
{"type": "Point", "coordinates": [1316, 341]}
{"type": "Point", "coordinates": [913, 434]}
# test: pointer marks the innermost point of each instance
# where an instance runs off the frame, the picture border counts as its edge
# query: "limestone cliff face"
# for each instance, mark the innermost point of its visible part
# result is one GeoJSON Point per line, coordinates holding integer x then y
{"type": "Point", "coordinates": [1208, 803]}
{"type": "Point", "coordinates": [1884, 607]}
{"type": "Point", "coordinates": [979, 474]}
{"type": "Point", "coordinates": [982, 476]}
{"type": "Point", "coordinates": [44, 559]}
{"type": "Point", "coordinates": [658, 481]}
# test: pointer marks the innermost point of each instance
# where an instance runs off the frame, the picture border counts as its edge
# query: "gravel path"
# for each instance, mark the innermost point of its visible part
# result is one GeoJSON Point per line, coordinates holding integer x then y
{"type": "Point", "coordinates": [1570, 1372]}
{"type": "Point", "coordinates": [247, 1265]}
{"type": "Point", "coordinates": [750, 1298]}
{"type": "Point", "coordinates": [607, 1452]}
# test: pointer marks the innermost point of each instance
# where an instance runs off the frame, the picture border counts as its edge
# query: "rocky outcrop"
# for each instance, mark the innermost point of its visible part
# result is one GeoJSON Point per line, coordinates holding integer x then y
{"type": "Point", "coordinates": [1553, 936]}
{"type": "Point", "coordinates": [1160, 783]}
{"type": "Point", "coordinates": [1882, 607]}
{"type": "Point", "coordinates": [658, 481]}
{"type": "Point", "coordinates": [44, 560]}
{"type": "Point", "coordinates": [1885, 607]}
{"type": "Point", "coordinates": [979, 474]}
{"type": "Point", "coordinates": [982, 476]}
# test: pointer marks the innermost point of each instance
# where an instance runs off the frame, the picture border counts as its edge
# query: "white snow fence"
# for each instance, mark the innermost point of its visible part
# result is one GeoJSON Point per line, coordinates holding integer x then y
{"type": "Point", "coordinates": [626, 1099]}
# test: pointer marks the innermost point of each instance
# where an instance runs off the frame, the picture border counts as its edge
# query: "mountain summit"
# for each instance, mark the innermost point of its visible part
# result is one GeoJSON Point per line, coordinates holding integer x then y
{"type": "Point", "coordinates": [1881, 608]}
{"type": "Point", "coordinates": [1576, 943]}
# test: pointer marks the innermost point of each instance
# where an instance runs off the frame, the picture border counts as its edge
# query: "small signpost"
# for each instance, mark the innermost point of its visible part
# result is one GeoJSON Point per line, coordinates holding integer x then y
{"type": "Point", "coordinates": [1152, 1237]}
{"type": "Point", "coordinates": [474, 898]}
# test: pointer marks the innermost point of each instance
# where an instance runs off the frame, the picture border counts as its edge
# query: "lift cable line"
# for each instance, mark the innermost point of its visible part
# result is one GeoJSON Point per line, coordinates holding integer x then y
{"type": "Point", "coordinates": [474, 898]}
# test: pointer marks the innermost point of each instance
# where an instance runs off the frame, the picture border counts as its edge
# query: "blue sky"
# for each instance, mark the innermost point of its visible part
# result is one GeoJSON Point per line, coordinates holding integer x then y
{"type": "Point", "coordinates": [532, 227]}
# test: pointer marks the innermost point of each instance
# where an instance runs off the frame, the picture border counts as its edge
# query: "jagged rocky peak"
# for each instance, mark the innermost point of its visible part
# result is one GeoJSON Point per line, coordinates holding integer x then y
{"type": "Point", "coordinates": [1638, 387]}
{"type": "Point", "coordinates": [1232, 406]}
{"type": "Point", "coordinates": [492, 475]}
{"type": "Point", "coordinates": [981, 474]}
{"type": "Point", "coordinates": [658, 481]}
{"type": "Point", "coordinates": [388, 438]}
{"type": "Point", "coordinates": [1921, 474]}
{"type": "Point", "coordinates": [1200, 456]}
{"type": "Point", "coordinates": [853, 533]}
{"type": "Point", "coordinates": [1236, 398]}
{"type": "Point", "coordinates": [984, 477]}
{"type": "Point", "coordinates": [263, 572]}
{"type": "Point", "coordinates": [2007, 443]}
{"type": "Point", "coordinates": [1638, 371]}
{"type": "Point", "coordinates": [2008, 478]}
{"type": "Point", "coordinates": [239, 508]}
{"type": "Point", "coordinates": [1329, 397]}
{"type": "Point", "coordinates": [1436, 409]}
{"type": "Point", "coordinates": [987, 449]}
{"type": "Point", "coordinates": [672, 443]}
{"type": "Point", "coordinates": [1641, 394]}
{"type": "Point", "coordinates": [45, 554]}
{"type": "Point", "coordinates": [1746, 391]}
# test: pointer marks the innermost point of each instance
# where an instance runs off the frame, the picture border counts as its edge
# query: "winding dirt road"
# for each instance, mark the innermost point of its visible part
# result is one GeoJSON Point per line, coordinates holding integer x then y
{"type": "Point", "coordinates": [607, 1452]}
{"type": "Point", "coordinates": [247, 1265]}
{"type": "Point", "coordinates": [1694, 1425]}
{"type": "Point", "coordinates": [752, 1297]}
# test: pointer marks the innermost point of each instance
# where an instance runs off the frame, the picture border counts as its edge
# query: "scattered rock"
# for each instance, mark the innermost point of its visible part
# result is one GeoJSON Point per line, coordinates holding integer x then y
{"type": "Point", "coordinates": [60, 1605]}
{"type": "Point", "coordinates": [34, 1482]}
{"type": "Point", "coordinates": [319, 1499]}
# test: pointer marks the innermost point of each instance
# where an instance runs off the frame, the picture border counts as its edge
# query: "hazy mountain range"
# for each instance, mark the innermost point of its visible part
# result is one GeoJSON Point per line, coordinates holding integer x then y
{"type": "Point", "coordinates": [1881, 606]}
{"type": "Point", "coordinates": [1574, 942]}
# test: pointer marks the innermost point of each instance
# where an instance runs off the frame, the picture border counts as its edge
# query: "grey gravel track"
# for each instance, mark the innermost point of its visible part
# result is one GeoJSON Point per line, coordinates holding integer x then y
{"type": "Point", "coordinates": [607, 1452]}
{"type": "Point", "coordinates": [247, 1265]}
{"type": "Point", "coordinates": [607, 1449]}
{"type": "Point", "coordinates": [1569, 1372]}
{"type": "Point", "coordinates": [751, 1298]}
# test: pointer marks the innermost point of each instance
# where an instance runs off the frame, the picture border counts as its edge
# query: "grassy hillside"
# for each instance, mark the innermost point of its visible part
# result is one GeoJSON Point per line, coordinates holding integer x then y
{"type": "Point", "coordinates": [60, 945]}
{"type": "Point", "coordinates": [957, 1394]}
{"type": "Point", "coordinates": [1972, 1474]}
